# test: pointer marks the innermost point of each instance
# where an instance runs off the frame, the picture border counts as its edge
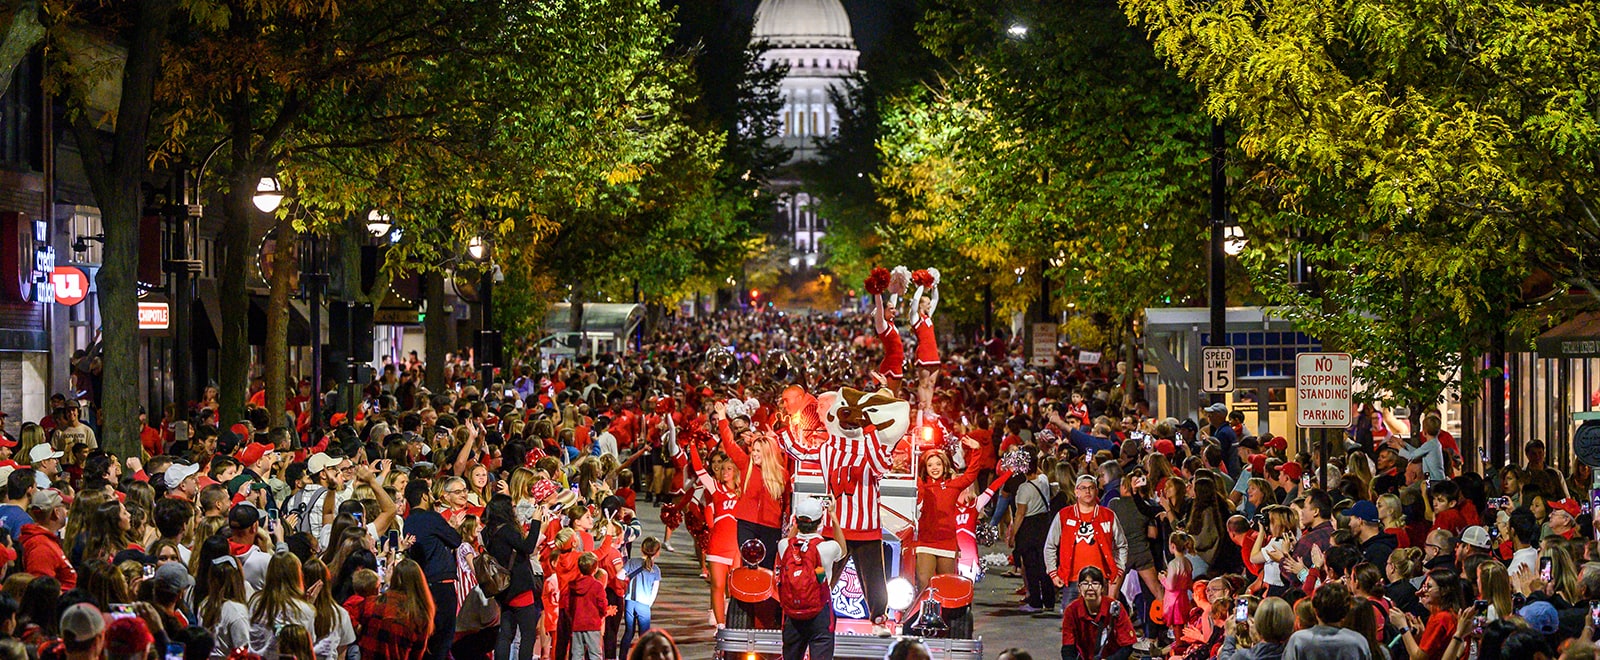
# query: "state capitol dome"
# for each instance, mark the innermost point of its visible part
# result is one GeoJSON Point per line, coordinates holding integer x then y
{"type": "Point", "coordinates": [812, 38]}
{"type": "Point", "coordinates": [803, 24]}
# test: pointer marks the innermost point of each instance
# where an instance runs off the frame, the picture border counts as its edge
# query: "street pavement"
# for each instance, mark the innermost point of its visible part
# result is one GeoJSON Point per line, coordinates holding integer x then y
{"type": "Point", "coordinates": [683, 605]}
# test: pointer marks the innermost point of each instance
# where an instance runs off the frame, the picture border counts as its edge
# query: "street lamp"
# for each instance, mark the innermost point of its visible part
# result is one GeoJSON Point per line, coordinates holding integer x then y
{"type": "Point", "coordinates": [1017, 31]}
{"type": "Point", "coordinates": [488, 337]}
{"type": "Point", "coordinates": [378, 223]}
{"type": "Point", "coordinates": [1233, 241]}
{"type": "Point", "coordinates": [269, 194]}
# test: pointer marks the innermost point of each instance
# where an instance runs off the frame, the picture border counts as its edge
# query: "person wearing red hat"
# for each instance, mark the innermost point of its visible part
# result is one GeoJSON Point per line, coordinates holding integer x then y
{"type": "Point", "coordinates": [1288, 483]}
{"type": "Point", "coordinates": [8, 445]}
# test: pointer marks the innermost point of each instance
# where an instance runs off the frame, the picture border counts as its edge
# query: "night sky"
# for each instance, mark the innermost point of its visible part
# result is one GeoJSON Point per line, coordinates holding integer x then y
{"type": "Point", "coordinates": [868, 20]}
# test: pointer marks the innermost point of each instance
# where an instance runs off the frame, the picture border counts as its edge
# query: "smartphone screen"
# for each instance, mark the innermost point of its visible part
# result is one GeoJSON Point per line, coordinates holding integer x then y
{"type": "Point", "coordinates": [122, 611]}
{"type": "Point", "coordinates": [1594, 615]}
{"type": "Point", "coordinates": [1242, 612]}
{"type": "Point", "coordinates": [394, 539]}
{"type": "Point", "coordinates": [1544, 569]}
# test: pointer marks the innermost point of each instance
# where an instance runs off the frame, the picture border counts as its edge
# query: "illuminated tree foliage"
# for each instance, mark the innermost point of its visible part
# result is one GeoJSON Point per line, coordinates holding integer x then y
{"type": "Point", "coordinates": [1422, 156]}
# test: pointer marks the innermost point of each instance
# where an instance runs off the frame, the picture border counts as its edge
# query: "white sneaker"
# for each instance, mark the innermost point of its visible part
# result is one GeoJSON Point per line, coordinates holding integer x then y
{"type": "Point", "coordinates": [668, 547]}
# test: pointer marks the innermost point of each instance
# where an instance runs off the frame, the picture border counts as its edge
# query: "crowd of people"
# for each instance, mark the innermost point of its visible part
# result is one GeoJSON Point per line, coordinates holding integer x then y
{"type": "Point", "coordinates": [506, 522]}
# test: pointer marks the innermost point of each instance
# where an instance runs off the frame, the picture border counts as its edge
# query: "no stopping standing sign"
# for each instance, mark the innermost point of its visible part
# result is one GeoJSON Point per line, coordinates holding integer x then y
{"type": "Point", "coordinates": [1322, 390]}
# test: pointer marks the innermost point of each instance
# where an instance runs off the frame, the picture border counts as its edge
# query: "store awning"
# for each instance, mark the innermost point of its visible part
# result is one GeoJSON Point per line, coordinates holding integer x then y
{"type": "Point", "coordinates": [206, 316]}
{"type": "Point", "coordinates": [1577, 338]}
{"type": "Point", "coordinates": [615, 319]}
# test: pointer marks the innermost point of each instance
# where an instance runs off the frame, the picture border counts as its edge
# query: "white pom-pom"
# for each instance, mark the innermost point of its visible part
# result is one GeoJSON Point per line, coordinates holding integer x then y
{"type": "Point", "coordinates": [899, 280]}
{"type": "Point", "coordinates": [935, 273]}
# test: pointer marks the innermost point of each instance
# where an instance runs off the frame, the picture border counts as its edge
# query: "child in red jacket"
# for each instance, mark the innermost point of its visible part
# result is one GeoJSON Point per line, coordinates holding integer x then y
{"type": "Point", "coordinates": [585, 601]}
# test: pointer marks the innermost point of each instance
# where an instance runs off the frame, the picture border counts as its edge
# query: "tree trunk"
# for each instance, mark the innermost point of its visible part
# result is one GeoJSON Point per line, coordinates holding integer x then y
{"type": "Point", "coordinates": [435, 325]}
{"type": "Point", "coordinates": [238, 259]}
{"type": "Point", "coordinates": [275, 355]}
{"type": "Point", "coordinates": [116, 183]}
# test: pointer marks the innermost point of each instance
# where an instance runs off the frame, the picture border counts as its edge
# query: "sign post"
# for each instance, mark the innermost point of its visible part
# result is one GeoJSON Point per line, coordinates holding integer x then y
{"type": "Point", "coordinates": [1322, 397]}
{"type": "Point", "coordinates": [1219, 371]}
{"type": "Point", "coordinates": [1043, 350]}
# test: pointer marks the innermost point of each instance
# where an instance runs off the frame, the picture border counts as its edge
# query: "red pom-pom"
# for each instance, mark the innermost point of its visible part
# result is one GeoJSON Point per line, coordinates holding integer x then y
{"type": "Point", "coordinates": [922, 278]}
{"type": "Point", "coordinates": [878, 281]}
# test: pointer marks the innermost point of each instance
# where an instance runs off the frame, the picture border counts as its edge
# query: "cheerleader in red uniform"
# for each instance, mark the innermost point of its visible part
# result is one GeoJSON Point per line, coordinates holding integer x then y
{"type": "Point", "coordinates": [892, 369]}
{"type": "Point", "coordinates": [968, 508]}
{"type": "Point", "coordinates": [724, 491]}
{"type": "Point", "coordinates": [927, 341]}
{"type": "Point", "coordinates": [938, 490]}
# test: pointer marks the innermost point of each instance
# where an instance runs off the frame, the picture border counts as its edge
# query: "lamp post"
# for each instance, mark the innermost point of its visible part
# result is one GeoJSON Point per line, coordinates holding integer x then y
{"type": "Point", "coordinates": [488, 345]}
{"type": "Point", "coordinates": [182, 217]}
{"type": "Point", "coordinates": [1219, 220]}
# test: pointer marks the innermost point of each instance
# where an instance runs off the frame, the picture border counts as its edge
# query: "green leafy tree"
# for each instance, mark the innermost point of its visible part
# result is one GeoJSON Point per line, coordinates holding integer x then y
{"type": "Point", "coordinates": [114, 161]}
{"type": "Point", "coordinates": [1424, 156]}
{"type": "Point", "coordinates": [1067, 145]}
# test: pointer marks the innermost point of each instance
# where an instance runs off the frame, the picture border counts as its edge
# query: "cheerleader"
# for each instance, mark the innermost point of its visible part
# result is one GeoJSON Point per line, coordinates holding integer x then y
{"type": "Point", "coordinates": [927, 341]}
{"type": "Point", "coordinates": [968, 509]}
{"type": "Point", "coordinates": [724, 492]}
{"type": "Point", "coordinates": [759, 511]}
{"type": "Point", "coordinates": [938, 490]}
{"type": "Point", "coordinates": [891, 371]}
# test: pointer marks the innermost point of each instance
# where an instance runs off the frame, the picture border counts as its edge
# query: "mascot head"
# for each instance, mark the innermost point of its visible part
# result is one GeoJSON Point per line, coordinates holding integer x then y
{"type": "Point", "coordinates": [848, 410]}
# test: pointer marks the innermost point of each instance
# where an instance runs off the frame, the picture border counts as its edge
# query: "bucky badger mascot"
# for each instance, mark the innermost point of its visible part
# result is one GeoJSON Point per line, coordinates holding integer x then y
{"type": "Point", "coordinates": [857, 436]}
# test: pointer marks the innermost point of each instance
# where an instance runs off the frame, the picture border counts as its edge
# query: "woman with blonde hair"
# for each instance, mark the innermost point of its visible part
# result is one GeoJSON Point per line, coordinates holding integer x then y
{"type": "Point", "coordinates": [1494, 586]}
{"type": "Point", "coordinates": [32, 435]}
{"type": "Point", "coordinates": [479, 486]}
{"type": "Point", "coordinates": [280, 602]}
{"type": "Point", "coordinates": [1270, 627]}
{"type": "Point", "coordinates": [763, 481]}
{"type": "Point", "coordinates": [1393, 518]}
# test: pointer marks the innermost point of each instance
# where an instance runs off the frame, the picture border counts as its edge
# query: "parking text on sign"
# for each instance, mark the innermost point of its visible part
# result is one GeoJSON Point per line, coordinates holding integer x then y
{"type": "Point", "coordinates": [1322, 390]}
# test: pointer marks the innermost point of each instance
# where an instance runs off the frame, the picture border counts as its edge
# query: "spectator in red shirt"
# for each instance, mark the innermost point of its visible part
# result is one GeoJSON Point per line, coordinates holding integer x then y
{"type": "Point", "coordinates": [585, 603]}
{"type": "Point", "coordinates": [41, 544]}
{"type": "Point", "coordinates": [397, 624]}
{"type": "Point", "coordinates": [1451, 511]}
{"type": "Point", "coordinates": [1086, 621]}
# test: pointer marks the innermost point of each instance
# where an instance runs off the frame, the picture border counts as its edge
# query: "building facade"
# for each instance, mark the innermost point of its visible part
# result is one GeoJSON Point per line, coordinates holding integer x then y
{"type": "Point", "coordinates": [813, 38]}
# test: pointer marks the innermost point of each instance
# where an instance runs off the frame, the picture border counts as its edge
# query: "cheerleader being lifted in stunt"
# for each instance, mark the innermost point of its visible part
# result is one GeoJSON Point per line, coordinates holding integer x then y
{"type": "Point", "coordinates": [891, 371]}
{"type": "Point", "coordinates": [927, 342]}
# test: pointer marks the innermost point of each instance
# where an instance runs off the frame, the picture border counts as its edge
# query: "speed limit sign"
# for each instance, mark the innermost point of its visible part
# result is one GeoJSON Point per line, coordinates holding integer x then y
{"type": "Point", "coordinates": [1218, 374]}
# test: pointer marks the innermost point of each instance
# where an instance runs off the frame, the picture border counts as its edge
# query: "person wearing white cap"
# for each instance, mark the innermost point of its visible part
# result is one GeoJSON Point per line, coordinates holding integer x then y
{"type": "Point", "coordinates": [814, 633]}
{"type": "Point", "coordinates": [46, 464]}
{"type": "Point", "coordinates": [182, 481]}
{"type": "Point", "coordinates": [326, 474]}
{"type": "Point", "coordinates": [1222, 431]}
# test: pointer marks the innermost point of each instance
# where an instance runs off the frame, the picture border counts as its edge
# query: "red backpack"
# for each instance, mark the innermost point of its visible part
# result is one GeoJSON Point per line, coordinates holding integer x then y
{"type": "Point", "coordinates": [802, 588]}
